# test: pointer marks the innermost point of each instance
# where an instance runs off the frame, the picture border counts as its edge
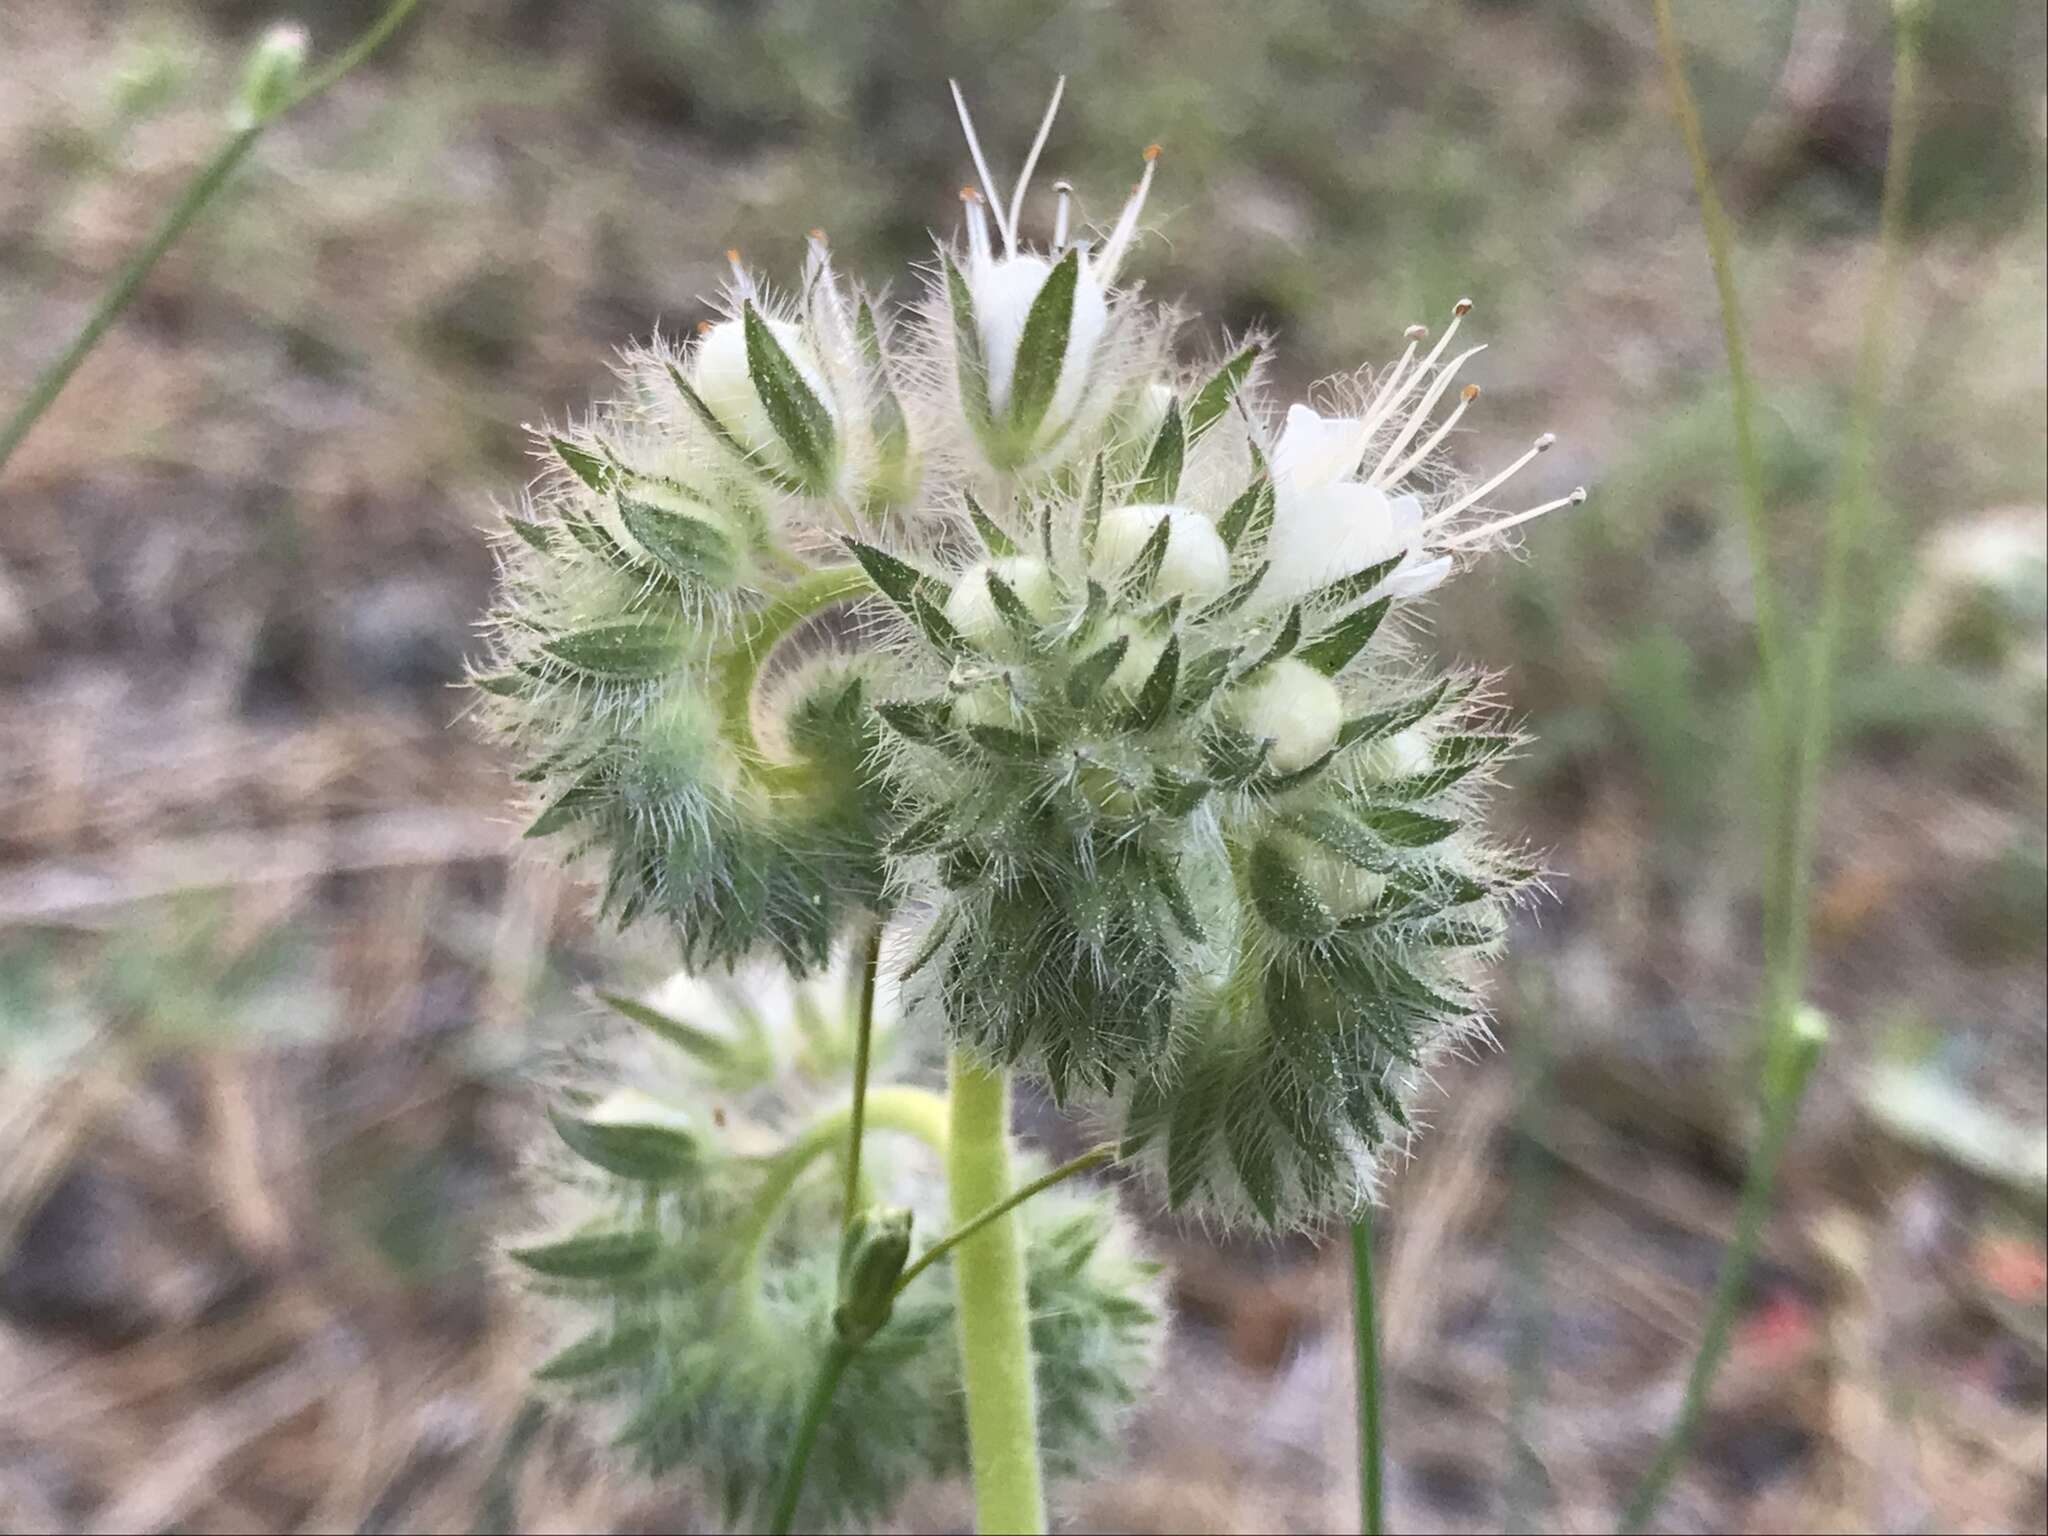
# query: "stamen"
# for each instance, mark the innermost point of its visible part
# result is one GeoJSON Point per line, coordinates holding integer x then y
{"type": "Point", "coordinates": [977, 225]}
{"type": "Point", "coordinates": [1472, 497]}
{"type": "Point", "coordinates": [742, 284]}
{"type": "Point", "coordinates": [1386, 406]}
{"type": "Point", "coordinates": [1369, 418]}
{"type": "Point", "coordinates": [1030, 165]}
{"type": "Point", "coordinates": [1127, 222]}
{"type": "Point", "coordinates": [1443, 380]}
{"type": "Point", "coordinates": [1065, 190]}
{"type": "Point", "coordinates": [1474, 535]}
{"type": "Point", "coordinates": [988, 182]}
{"type": "Point", "coordinates": [1409, 465]}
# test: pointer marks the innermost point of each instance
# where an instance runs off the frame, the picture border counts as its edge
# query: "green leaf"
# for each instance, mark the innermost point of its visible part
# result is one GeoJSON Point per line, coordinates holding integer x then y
{"type": "Point", "coordinates": [997, 542]}
{"type": "Point", "coordinates": [1341, 836]}
{"type": "Point", "coordinates": [532, 534]}
{"type": "Point", "coordinates": [586, 466]}
{"type": "Point", "coordinates": [799, 417]}
{"type": "Point", "coordinates": [648, 1153]}
{"type": "Point", "coordinates": [973, 367]}
{"type": "Point", "coordinates": [924, 721]}
{"type": "Point", "coordinates": [1231, 758]}
{"type": "Point", "coordinates": [1204, 675]}
{"type": "Point", "coordinates": [1094, 669]}
{"type": "Point", "coordinates": [706, 1047]}
{"type": "Point", "coordinates": [1042, 348]}
{"type": "Point", "coordinates": [1389, 1101]}
{"type": "Point", "coordinates": [1006, 742]}
{"type": "Point", "coordinates": [606, 1349]}
{"type": "Point", "coordinates": [571, 805]}
{"type": "Point", "coordinates": [1283, 643]}
{"type": "Point", "coordinates": [1346, 590]}
{"type": "Point", "coordinates": [1237, 596]}
{"type": "Point", "coordinates": [1166, 880]}
{"type": "Point", "coordinates": [1249, 516]}
{"type": "Point", "coordinates": [892, 578]}
{"type": "Point", "coordinates": [624, 649]}
{"type": "Point", "coordinates": [1331, 651]}
{"type": "Point", "coordinates": [1155, 698]}
{"type": "Point", "coordinates": [1137, 577]}
{"type": "Point", "coordinates": [1159, 480]}
{"type": "Point", "coordinates": [598, 1256]}
{"type": "Point", "coordinates": [1197, 1114]}
{"type": "Point", "coordinates": [506, 685]}
{"type": "Point", "coordinates": [1176, 793]}
{"type": "Point", "coordinates": [687, 546]}
{"type": "Point", "coordinates": [1020, 619]}
{"type": "Point", "coordinates": [937, 627]}
{"type": "Point", "coordinates": [1215, 396]}
{"type": "Point", "coordinates": [888, 421]}
{"type": "Point", "coordinates": [1091, 511]}
{"type": "Point", "coordinates": [1284, 899]}
{"type": "Point", "coordinates": [1408, 829]}
{"type": "Point", "coordinates": [1386, 722]}
{"type": "Point", "coordinates": [1251, 1154]}
{"type": "Point", "coordinates": [923, 834]}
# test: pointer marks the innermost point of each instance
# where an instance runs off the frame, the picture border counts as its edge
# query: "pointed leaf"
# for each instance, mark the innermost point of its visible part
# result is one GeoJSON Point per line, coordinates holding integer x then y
{"type": "Point", "coordinates": [1331, 651]}
{"type": "Point", "coordinates": [1042, 348]}
{"type": "Point", "coordinates": [532, 534]}
{"type": "Point", "coordinates": [586, 466]}
{"type": "Point", "coordinates": [1091, 510]}
{"type": "Point", "coordinates": [1159, 480]}
{"type": "Point", "coordinates": [997, 542]}
{"type": "Point", "coordinates": [1284, 899]}
{"type": "Point", "coordinates": [1283, 643]}
{"type": "Point", "coordinates": [647, 1153]}
{"type": "Point", "coordinates": [1346, 590]}
{"type": "Point", "coordinates": [1155, 698]}
{"type": "Point", "coordinates": [924, 721]}
{"type": "Point", "coordinates": [688, 1038]}
{"type": "Point", "coordinates": [1215, 396]}
{"type": "Point", "coordinates": [687, 546]}
{"type": "Point", "coordinates": [799, 417]}
{"type": "Point", "coordinates": [606, 1349]}
{"type": "Point", "coordinates": [1247, 519]}
{"type": "Point", "coordinates": [1408, 829]}
{"type": "Point", "coordinates": [625, 649]}
{"type": "Point", "coordinates": [1094, 669]}
{"type": "Point", "coordinates": [597, 1256]}
{"type": "Point", "coordinates": [892, 578]}
{"type": "Point", "coordinates": [972, 366]}
{"type": "Point", "coordinates": [1386, 722]}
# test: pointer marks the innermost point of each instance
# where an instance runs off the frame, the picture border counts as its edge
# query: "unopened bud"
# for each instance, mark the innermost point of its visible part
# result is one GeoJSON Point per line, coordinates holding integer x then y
{"type": "Point", "coordinates": [270, 77]}
{"type": "Point", "coordinates": [871, 1260]}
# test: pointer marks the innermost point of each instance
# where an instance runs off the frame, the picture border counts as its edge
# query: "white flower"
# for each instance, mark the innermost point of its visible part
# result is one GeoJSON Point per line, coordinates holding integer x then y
{"type": "Point", "coordinates": [1196, 564]}
{"type": "Point", "coordinates": [1004, 284]}
{"type": "Point", "coordinates": [1340, 502]}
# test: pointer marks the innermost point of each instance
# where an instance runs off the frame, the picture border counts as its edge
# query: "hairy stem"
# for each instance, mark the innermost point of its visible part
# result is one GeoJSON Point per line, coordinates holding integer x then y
{"type": "Point", "coordinates": [1791, 1066]}
{"type": "Point", "coordinates": [1793, 762]}
{"type": "Point", "coordinates": [864, 1035]}
{"type": "Point", "coordinates": [199, 191]}
{"type": "Point", "coordinates": [838, 1355]}
{"type": "Point", "coordinates": [740, 665]}
{"type": "Point", "coordinates": [1089, 1159]}
{"type": "Point", "coordinates": [1365, 1336]}
{"type": "Point", "coordinates": [995, 1331]}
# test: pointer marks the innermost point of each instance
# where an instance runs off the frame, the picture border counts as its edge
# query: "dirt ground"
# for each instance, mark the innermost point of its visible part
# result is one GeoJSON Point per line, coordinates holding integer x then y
{"type": "Point", "coordinates": [271, 963]}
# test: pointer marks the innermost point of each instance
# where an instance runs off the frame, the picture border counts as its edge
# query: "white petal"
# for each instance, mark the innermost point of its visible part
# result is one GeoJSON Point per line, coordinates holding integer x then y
{"type": "Point", "coordinates": [1416, 577]}
{"type": "Point", "coordinates": [1314, 451]}
{"type": "Point", "coordinates": [1318, 538]}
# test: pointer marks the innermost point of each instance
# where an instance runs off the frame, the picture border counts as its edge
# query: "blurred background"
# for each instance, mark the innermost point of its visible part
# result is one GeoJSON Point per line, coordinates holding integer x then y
{"type": "Point", "coordinates": [269, 969]}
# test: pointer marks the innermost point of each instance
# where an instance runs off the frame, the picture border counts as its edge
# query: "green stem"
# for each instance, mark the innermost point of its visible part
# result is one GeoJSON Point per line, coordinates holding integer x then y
{"type": "Point", "coordinates": [838, 1355]}
{"type": "Point", "coordinates": [995, 1330]}
{"type": "Point", "coordinates": [863, 1043]}
{"type": "Point", "coordinates": [199, 191]}
{"type": "Point", "coordinates": [895, 1107]}
{"type": "Point", "coordinates": [741, 663]}
{"type": "Point", "coordinates": [1791, 1037]}
{"type": "Point", "coordinates": [1365, 1335]}
{"type": "Point", "coordinates": [1790, 1067]}
{"type": "Point", "coordinates": [1089, 1159]}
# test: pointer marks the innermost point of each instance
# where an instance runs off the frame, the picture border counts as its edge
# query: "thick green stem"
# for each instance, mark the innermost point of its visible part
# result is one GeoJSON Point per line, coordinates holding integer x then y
{"type": "Point", "coordinates": [1365, 1336]}
{"type": "Point", "coordinates": [198, 192]}
{"type": "Point", "coordinates": [740, 665]}
{"type": "Point", "coordinates": [995, 1322]}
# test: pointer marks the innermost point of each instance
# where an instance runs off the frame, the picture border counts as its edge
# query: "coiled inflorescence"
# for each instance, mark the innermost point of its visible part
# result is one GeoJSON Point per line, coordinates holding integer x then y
{"type": "Point", "coordinates": [1196, 830]}
{"type": "Point", "coordinates": [699, 1298]}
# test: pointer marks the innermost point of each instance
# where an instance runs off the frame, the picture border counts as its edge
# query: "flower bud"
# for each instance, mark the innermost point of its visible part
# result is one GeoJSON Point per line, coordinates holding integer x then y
{"type": "Point", "coordinates": [1294, 706]}
{"type": "Point", "coordinates": [1196, 564]}
{"type": "Point", "coordinates": [724, 381]}
{"type": "Point", "coordinates": [1004, 290]}
{"type": "Point", "coordinates": [270, 76]}
{"type": "Point", "coordinates": [972, 608]}
{"type": "Point", "coordinates": [871, 1260]}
